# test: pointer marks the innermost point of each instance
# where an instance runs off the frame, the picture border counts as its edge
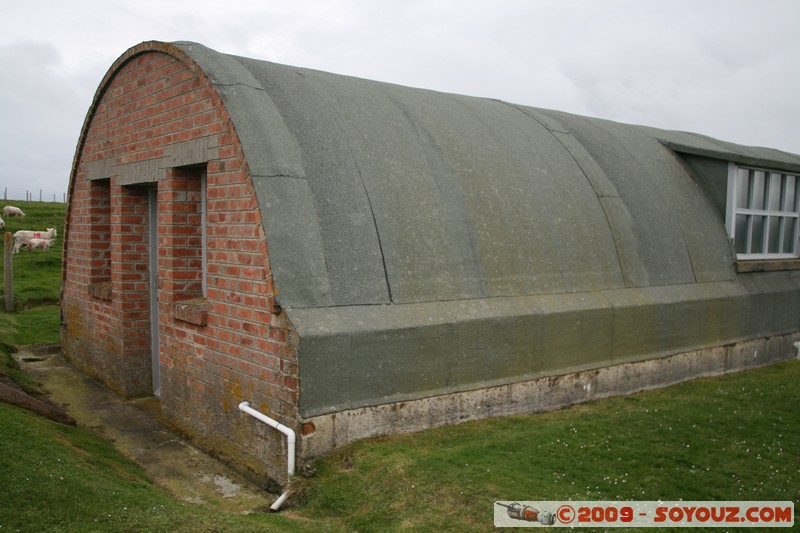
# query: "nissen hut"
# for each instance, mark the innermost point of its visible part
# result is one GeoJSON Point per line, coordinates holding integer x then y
{"type": "Point", "coordinates": [356, 258]}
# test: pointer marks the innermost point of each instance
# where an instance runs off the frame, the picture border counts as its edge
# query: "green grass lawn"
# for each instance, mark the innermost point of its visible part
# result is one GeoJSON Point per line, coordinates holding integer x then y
{"type": "Point", "coordinates": [734, 437]}
{"type": "Point", "coordinates": [61, 478]}
{"type": "Point", "coordinates": [37, 277]}
{"type": "Point", "coordinates": [37, 274]}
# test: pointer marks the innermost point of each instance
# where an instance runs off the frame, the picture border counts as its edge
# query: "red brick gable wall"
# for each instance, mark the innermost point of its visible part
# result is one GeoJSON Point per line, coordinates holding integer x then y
{"type": "Point", "coordinates": [149, 127]}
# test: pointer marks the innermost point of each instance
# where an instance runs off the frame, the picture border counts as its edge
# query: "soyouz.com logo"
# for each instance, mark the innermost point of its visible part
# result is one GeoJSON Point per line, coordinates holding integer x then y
{"type": "Point", "coordinates": [643, 514]}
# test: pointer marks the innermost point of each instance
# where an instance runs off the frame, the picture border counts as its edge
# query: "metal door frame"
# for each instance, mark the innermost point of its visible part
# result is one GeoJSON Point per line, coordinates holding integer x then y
{"type": "Point", "coordinates": [152, 249]}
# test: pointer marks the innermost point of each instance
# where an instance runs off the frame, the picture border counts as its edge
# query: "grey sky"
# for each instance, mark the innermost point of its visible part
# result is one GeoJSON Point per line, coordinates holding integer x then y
{"type": "Point", "coordinates": [724, 68]}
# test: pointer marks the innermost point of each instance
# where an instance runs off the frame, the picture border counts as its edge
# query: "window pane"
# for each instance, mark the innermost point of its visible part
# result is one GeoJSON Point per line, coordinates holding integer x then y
{"type": "Point", "coordinates": [757, 241]}
{"type": "Point", "coordinates": [757, 187]}
{"type": "Point", "coordinates": [774, 235]}
{"type": "Point", "coordinates": [775, 184]}
{"type": "Point", "coordinates": [796, 196]}
{"type": "Point", "coordinates": [741, 239]}
{"type": "Point", "coordinates": [742, 188]}
{"type": "Point", "coordinates": [790, 236]}
{"type": "Point", "coordinates": [787, 192]}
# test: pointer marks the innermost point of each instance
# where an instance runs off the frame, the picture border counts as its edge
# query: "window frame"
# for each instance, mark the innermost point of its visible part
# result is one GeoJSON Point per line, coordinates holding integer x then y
{"type": "Point", "coordinates": [204, 230]}
{"type": "Point", "coordinates": [760, 215]}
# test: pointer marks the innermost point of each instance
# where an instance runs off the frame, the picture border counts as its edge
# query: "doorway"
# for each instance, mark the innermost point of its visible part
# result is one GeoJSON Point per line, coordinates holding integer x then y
{"type": "Point", "coordinates": [152, 247]}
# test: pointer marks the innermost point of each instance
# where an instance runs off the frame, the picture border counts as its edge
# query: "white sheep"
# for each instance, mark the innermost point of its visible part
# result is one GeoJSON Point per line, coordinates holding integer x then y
{"type": "Point", "coordinates": [44, 244]}
{"type": "Point", "coordinates": [22, 237]}
{"type": "Point", "coordinates": [11, 211]}
{"type": "Point", "coordinates": [2, 224]}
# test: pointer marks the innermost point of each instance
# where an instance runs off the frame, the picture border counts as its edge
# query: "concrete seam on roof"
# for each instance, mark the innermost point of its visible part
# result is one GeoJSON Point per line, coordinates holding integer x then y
{"type": "Point", "coordinates": [219, 84]}
{"type": "Point", "coordinates": [564, 131]}
{"type": "Point", "coordinates": [226, 71]}
{"type": "Point", "coordinates": [354, 159]}
{"type": "Point", "coordinates": [559, 258]}
{"type": "Point", "coordinates": [270, 176]}
{"type": "Point", "coordinates": [688, 252]}
{"type": "Point", "coordinates": [681, 229]}
{"type": "Point", "coordinates": [279, 145]}
{"type": "Point", "coordinates": [445, 184]}
{"type": "Point", "coordinates": [594, 186]}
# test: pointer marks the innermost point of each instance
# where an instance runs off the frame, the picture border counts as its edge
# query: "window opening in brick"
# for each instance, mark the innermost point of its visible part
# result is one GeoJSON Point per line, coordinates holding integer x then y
{"type": "Point", "coordinates": [100, 238]}
{"type": "Point", "coordinates": [763, 215]}
{"type": "Point", "coordinates": [185, 207]}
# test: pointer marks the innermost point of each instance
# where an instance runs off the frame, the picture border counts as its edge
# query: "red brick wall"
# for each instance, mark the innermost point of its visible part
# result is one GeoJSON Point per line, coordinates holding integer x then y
{"type": "Point", "coordinates": [215, 352]}
{"type": "Point", "coordinates": [100, 215]}
{"type": "Point", "coordinates": [180, 233]}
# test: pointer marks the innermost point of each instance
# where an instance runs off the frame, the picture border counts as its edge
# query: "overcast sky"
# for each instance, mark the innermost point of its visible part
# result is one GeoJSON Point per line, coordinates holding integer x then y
{"type": "Point", "coordinates": [725, 68]}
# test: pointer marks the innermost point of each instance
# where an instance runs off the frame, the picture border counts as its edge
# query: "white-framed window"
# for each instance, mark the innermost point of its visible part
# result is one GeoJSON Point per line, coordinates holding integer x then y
{"type": "Point", "coordinates": [763, 213]}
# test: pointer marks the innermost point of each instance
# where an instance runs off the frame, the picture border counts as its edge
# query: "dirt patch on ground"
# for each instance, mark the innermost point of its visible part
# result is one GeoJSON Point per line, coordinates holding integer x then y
{"type": "Point", "coordinates": [12, 393]}
{"type": "Point", "coordinates": [135, 428]}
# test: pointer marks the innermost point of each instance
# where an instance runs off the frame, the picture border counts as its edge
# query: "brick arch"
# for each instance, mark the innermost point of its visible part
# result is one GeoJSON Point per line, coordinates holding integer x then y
{"type": "Point", "coordinates": [157, 121]}
{"type": "Point", "coordinates": [225, 125]}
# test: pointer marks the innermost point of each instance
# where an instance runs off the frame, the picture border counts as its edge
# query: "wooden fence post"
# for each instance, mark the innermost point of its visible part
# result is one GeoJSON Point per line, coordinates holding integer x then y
{"type": "Point", "coordinates": [8, 264]}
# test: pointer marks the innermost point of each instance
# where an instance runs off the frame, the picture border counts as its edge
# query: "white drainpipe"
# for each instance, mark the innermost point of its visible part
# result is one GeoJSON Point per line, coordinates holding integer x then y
{"type": "Point", "coordinates": [290, 443]}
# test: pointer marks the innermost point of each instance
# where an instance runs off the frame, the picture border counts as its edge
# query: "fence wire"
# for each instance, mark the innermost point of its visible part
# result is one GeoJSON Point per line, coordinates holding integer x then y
{"type": "Point", "coordinates": [34, 196]}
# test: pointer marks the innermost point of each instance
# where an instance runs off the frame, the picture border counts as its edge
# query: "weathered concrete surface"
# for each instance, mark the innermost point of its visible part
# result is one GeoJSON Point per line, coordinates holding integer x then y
{"type": "Point", "coordinates": [360, 356]}
{"type": "Point", "coordinates": [327, 432]}
{"type": "Point", "coordinates": [130, 376]}
{"type": "Point", "coordinates": [135, 430]}
{"type": "Point", "coordinates": [12, 394]}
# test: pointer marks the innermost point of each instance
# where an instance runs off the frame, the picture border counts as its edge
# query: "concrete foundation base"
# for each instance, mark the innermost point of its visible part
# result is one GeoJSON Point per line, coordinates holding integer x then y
{"type": "Point", "coordinates": [327, 432]}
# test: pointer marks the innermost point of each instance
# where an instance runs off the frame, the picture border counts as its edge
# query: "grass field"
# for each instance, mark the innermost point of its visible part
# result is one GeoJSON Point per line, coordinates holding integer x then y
{"type": "Point", "coordinates": [734, 437]}
{"type": "Point", "coordinates": [728, 438]}
{"type": "Point", "coordinates": [37, 275]}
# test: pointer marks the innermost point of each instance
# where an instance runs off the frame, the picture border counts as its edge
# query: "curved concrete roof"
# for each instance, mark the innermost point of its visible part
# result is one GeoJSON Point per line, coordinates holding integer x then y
{"type": "Point", "coordinates": [374, 193]}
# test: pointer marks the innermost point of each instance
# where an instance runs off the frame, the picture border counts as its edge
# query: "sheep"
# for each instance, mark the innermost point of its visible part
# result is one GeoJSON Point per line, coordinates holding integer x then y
{"type": "Point", "coordinates": [11, 211]}
{"type": "Point", "coordinates": [2, 224]}
{"type": "Point", "coordinates": [44, 244]}
{"type": "Point", "coordinates": [23, 236]}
